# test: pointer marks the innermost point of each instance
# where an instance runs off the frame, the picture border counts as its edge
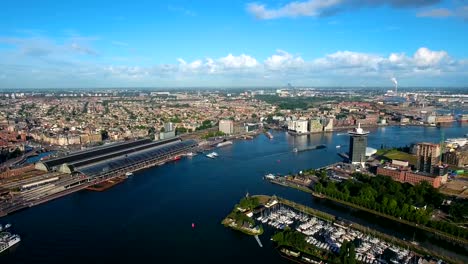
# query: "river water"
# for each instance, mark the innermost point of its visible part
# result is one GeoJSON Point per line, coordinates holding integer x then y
{"type": "Point", "coordinates": [148, 218]}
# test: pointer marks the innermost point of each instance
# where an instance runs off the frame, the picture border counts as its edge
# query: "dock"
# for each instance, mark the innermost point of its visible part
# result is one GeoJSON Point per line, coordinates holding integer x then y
{"type": "Point", "coordinates": [106, 184]}
{"type": "Point", "coordinates": [309, 148]}
{"type": "Point", "coordinates": [258, 241]}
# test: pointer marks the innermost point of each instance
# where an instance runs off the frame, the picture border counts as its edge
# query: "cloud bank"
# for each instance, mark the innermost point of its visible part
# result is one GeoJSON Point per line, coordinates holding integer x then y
{"type": "Point", "coordinates": [43, 63]}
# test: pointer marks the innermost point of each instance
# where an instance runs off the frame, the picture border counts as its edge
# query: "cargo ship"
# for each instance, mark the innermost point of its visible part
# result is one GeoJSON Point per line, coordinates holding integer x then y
{"type": "Point", "coordinates": [102, 186]}
{"type": "Point", "coordinates": [8, 240]}
{"type": "Point", "coordinates": [295, 150]}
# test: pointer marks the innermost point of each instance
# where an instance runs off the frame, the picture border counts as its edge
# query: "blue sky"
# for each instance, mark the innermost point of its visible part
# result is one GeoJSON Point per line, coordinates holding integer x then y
{"type": "Point", "coordinates": [233, 43]}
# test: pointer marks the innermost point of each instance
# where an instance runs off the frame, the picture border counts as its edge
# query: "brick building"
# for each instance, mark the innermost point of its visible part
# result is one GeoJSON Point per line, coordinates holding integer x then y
{"type": "Point", "coordinates": [404, 174]}
{"type": "Point", "coordinates": [428, 155]}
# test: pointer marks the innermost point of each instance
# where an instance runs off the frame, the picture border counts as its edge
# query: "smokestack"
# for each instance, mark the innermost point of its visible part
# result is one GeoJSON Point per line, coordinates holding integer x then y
{"type": "Point", "coordinates": [394, 80]}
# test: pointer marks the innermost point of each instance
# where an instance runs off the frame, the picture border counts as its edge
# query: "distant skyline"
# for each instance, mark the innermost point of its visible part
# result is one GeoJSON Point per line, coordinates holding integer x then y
{"type": "Point", "coordinates": [181, 43]}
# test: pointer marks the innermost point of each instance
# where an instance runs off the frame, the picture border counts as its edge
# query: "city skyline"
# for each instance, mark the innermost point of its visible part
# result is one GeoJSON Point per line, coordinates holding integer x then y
{"type": "Point", "coordinates": [239, 43]}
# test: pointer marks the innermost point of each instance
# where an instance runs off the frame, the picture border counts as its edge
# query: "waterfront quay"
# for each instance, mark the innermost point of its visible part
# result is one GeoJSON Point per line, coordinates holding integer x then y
{"type": "Point", "coordinates": [88, 169]}
{"type": "Point", "coordinates": [324, 234]}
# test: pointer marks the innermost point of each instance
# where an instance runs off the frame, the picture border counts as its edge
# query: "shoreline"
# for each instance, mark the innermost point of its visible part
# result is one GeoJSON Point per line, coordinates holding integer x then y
{"type": "Point", "coordinates": [435, 232]}
{"type": "Point", "coordinates": [334, 219]}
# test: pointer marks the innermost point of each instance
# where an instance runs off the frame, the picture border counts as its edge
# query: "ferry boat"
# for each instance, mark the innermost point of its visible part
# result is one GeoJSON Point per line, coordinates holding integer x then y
{"type": "Point", "coordinates": [225, 143]}
{"type": "Point", "coordinates": [8, 240]}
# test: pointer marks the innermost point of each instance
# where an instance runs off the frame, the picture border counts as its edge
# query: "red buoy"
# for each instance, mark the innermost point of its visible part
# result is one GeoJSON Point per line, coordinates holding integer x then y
{"type": "Point", "coordinates": [193, 225]}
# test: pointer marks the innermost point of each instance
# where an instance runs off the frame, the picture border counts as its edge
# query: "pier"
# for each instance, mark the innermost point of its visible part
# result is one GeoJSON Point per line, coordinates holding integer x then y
{"type": "Point", "coordinates": [96, 169]}
{"type": "Point", "coordinates": [301, 219]}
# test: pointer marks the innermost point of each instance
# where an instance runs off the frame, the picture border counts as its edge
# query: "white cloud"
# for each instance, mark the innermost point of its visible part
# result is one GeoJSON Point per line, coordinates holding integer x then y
{"type": "Point", "coordinates": [339, 68]}
{"type": "Point", "coordinates": [230, 63]}
{"type": "Point", "coordinates": [40, 46]}
{"type": "Point", "coordinates": [396, 57]}
{"type": "Point", "coordinates": [317, 8]}
{"type": "Point", "coordinates": [462, 12]}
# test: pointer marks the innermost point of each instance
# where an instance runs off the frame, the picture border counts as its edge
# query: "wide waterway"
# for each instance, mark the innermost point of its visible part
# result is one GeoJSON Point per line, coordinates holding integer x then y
{"type": "Point", "coordinates": [148, 218]}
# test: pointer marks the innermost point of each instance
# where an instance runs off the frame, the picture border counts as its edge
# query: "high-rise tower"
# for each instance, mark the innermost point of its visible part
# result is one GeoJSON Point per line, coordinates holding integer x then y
{"type": "Point", "coordinates": [357, 144]}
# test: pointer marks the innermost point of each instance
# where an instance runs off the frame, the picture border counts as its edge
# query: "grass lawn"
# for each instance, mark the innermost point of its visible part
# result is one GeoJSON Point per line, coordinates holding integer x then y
{"type": "Point", "coordinates": [398, 155]}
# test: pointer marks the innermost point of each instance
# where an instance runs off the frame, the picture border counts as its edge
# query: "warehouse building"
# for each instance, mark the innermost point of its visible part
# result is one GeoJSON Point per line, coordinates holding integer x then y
{"type": "Point", "coordinates": [118, 157]}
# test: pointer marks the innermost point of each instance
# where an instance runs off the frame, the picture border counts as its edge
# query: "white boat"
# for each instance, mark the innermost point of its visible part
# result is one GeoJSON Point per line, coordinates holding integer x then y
{"type": "Point", "coordinates": [7, 240]}
{"type": "Point", "coordinates": [7, 226]}
{"type": "Point", "coordinates": [338, 146]}
{"type": "Point", "coordinates": [270, 176]}
{"type": "Point", "coordinates": [212, 155]}
{"type": "Point", "coordinates": [225, 143]}
{"type": "Point", "coordinates": [128, 174]}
